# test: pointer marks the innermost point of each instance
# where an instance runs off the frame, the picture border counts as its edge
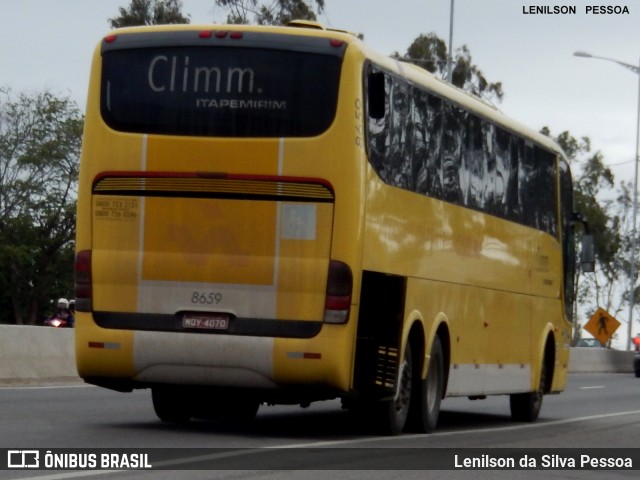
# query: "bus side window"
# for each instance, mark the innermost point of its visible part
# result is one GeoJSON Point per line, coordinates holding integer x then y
{"type": "Point", "coordinates": [376, 95]}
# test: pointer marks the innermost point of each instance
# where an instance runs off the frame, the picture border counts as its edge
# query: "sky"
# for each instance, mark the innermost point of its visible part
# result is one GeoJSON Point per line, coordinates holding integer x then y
{"type": "Point", "coordinates": [48, 44]}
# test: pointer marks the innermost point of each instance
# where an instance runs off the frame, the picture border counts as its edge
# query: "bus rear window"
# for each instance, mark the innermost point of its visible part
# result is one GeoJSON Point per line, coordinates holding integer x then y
{"type": "Point", "coordinates": [219, 91]}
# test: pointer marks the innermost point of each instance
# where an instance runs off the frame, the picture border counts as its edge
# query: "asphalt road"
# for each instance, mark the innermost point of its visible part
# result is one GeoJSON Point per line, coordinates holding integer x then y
{"type": "Point", "coordinates": [595, 411]}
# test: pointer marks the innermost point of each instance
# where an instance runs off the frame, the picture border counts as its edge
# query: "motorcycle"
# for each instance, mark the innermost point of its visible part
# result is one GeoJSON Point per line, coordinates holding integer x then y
{"type": "Point", "coordinates": [63, 317]}
{"type": "Point", "coordinates": [56, 322]}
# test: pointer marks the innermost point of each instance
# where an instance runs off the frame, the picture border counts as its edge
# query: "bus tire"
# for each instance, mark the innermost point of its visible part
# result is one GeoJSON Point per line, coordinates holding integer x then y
{"type": "Point", "coordinates": [425, 405]}
{"type": "Point", "coordinates": [392, 414]}
{"type": "Point", "coordinates": [525, 407]}
{"type": "Point", "coordinates": [169, 405]}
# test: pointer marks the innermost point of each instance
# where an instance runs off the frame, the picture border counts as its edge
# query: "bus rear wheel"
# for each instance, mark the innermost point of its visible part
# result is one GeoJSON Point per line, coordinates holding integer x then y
{"type": "Point", "coordinates": [392, 414]}
{"type": "Point", "coordinates": [425, 405]}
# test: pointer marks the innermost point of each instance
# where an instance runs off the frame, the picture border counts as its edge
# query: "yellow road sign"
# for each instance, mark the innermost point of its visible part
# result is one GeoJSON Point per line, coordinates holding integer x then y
{"type": "Point", "coordinates": [602, 325]}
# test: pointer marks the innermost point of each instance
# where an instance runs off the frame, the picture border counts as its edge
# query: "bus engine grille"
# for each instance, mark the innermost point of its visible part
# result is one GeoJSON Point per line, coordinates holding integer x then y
{"type": "Point", "coordinates": [386, 367]}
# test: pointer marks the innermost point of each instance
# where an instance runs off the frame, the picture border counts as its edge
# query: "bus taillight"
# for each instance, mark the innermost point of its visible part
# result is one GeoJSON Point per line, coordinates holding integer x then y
{"type": "Point", "coordinates": [83, 283]}
{"type": "Point", "coordinates": [338, 297]}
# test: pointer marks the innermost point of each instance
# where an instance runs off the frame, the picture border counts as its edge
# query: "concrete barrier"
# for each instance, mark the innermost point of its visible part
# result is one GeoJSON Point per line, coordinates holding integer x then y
{"type": "Point", "coordinates": [600, 360]}
{"type": "Point", "coordinates": [41, 354]}
{"type": "Point", "coordinates": [37, 354]}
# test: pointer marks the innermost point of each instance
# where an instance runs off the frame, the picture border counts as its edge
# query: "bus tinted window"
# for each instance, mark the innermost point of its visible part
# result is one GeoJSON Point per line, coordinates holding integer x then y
{"type": "Point", "coordinates": [431, 146]}
{"type": "Point", "coordinates": [219, 91]}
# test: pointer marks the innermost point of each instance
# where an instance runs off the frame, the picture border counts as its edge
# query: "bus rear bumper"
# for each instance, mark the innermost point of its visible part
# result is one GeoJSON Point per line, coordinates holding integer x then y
{"type": "Point", "coordinates": [124, 360]}
{"type": "Point", "coordinates": [212, 360]}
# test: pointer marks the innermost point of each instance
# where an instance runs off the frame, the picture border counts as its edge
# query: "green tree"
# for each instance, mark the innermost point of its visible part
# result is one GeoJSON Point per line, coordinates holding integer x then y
{"type": "Point", "coordinates": [430, 52]}
{"type": "Point", "coordinates": [274, 12]}
{"type": "Point", "coordinates": [150, 12]}
{"type": "Point", "coordinates": [40, 137]}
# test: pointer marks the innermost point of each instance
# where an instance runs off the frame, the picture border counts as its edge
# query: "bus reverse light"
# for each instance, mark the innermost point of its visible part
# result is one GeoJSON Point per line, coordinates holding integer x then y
{"type": "Point", "coordinates": [338, 297]}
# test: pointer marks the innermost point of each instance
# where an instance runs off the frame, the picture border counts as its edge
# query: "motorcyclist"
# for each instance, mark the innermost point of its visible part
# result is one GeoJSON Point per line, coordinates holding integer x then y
{"type": "Point", "coordinates": [62, 314]}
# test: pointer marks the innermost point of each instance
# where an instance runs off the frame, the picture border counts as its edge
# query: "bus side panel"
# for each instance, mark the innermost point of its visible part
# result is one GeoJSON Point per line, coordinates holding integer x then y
{"type": "Point", "coordinates": [450, 243]}
{"type": "Point", "coordinates": [548, 314]}
{"type": "Point", "coordinates": [561, 367]}
{"type": "Point", "coordinates": [548, 321]}
{"type": "Point", "coordinates": [489, 331]}
{"type": "Point", "coordinates": [483, 274]}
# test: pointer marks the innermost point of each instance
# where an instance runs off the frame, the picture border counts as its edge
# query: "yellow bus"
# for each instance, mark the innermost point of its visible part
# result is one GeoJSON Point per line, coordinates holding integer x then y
{"type": "Point", "coordinates": [282, 215]}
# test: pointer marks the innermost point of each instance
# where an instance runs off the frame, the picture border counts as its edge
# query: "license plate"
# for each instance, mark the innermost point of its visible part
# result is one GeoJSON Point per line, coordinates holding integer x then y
{"type": "Point", "coordinates": [218, 321]}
